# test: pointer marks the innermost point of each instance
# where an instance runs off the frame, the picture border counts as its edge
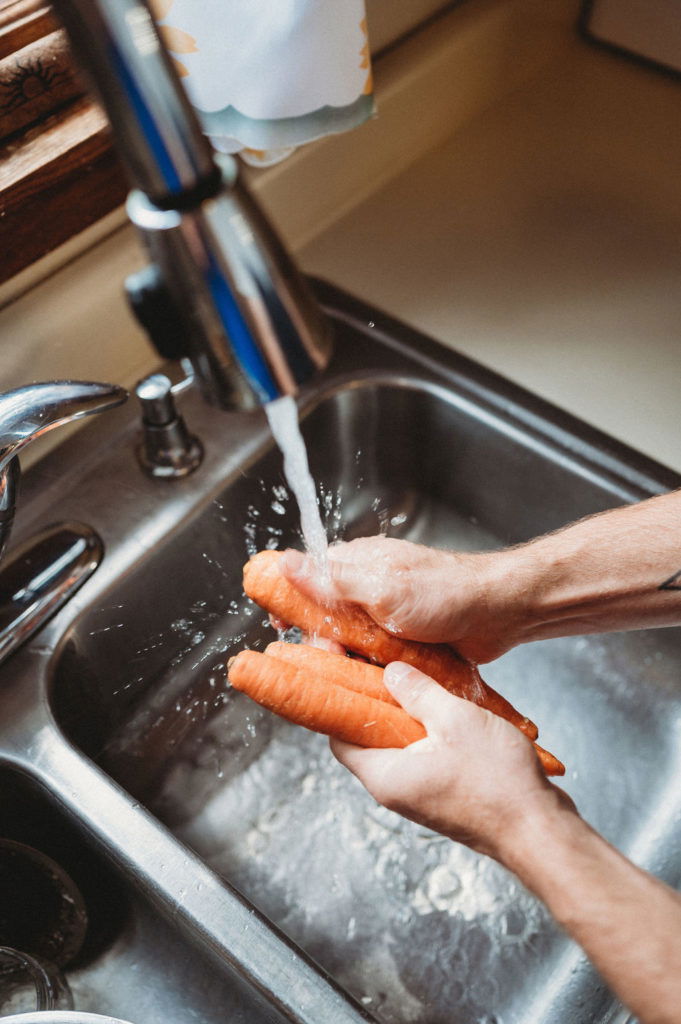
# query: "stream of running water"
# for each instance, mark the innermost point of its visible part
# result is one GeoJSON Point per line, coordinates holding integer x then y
{"type": "Point", "coordinates": [282, 415]}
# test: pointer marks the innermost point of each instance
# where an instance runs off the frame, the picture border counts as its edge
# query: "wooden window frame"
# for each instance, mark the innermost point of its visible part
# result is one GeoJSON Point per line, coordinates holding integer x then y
{"type": "Point", "coordinates": [58, 170]}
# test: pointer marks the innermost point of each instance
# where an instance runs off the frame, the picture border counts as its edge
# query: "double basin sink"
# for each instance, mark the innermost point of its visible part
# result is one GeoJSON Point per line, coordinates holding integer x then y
{"type": "Point", "coordinates": [240, 874]}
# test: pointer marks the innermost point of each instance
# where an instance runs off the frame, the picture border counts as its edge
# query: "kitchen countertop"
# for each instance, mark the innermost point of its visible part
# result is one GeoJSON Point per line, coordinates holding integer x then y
{"type": "Point", "coordinates": [543, 239]}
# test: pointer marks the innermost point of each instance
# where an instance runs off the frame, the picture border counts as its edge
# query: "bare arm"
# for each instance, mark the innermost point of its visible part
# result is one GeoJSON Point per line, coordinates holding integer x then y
{"type": "Point", "coordinates": [628, 922]}
{"type": "Point", "coordinates": [618, 570]}
{"type": "Point", "coordinates": [476, 779]}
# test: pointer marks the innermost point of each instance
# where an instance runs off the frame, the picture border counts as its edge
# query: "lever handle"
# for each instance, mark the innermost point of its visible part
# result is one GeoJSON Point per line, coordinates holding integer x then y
{"type": "Point", "coordinates": [28, 412]}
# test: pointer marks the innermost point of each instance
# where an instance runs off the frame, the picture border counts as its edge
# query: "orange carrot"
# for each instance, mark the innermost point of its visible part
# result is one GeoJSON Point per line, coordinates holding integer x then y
{"type": "Point", "coordinates": [324, 707]}
{"type": "Point", "coordinates": [356, 630]}
{"type": "Point", "coordinates": [550, 763]}
{"type": "Point", "coordinates": [359, 676]}
{"type": "Point", "coordinates": [362, 677]}
{"type": "Point", "coordinates": [335, 695]}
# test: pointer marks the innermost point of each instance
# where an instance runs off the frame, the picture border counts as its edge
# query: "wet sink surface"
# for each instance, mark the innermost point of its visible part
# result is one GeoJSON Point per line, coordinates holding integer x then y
{"type": "Point", "coordinates": [418, 929]}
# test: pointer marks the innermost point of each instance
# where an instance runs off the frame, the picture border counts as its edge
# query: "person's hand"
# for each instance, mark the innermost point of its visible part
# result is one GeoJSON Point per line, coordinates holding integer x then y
{"type": "Point", "coordinates": [474, 778]}
{"type": "Point", "coordinates": [418, 593]}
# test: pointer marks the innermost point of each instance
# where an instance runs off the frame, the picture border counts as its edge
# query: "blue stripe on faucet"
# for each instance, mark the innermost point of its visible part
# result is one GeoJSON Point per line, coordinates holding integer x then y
{"type": "Point", "coordinates": [146, 121]}
{"type": "Point", "coordinates": [246, 351]}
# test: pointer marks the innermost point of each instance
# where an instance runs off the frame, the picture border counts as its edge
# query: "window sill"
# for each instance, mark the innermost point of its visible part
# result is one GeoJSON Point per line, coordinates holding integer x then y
{"type": "Point", "coordinates": [55, 181]}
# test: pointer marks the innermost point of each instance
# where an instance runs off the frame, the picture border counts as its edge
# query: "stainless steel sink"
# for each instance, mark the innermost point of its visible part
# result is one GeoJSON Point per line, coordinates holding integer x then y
{"type": "Point", "coordinates": [264, 854]}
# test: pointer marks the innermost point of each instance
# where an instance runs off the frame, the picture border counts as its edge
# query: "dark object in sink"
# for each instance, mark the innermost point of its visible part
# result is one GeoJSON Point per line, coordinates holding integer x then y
{"type": "Point", "coordinates": [42, 911]}
{"type": "Point", "coordinates": [60, 900]}
{"type": "Point", "coordinates": [132, 965]}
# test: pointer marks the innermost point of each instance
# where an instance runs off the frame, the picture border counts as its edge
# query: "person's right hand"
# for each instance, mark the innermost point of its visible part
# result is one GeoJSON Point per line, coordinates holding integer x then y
{"type": "Point", "coordinates": [416, 592]}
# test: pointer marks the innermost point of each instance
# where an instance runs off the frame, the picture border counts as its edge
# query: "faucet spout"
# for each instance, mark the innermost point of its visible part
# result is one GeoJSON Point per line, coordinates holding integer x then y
{"type": "Point", "coordinates": [249, 323]}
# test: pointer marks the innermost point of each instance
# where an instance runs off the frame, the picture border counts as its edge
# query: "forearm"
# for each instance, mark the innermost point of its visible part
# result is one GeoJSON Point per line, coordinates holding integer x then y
{"type": "Point", "coordinates": [618, 570]}
{"type": "Point", "coordinates": [628, 922]}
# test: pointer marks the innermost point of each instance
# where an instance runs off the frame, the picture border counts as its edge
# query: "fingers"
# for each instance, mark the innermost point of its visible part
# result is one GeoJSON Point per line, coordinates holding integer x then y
{"type": "Point", "coordinates": [324, 644]}
{"type": "Point", "coordinates": [348, 754]}
{"type": "Point", "coordinates": [422, 697]}
{"type": "Point", "coordinates": [299, 569]}
{"type": "Point", "coordinates": [350, 578]}
{"type": "Point", "coordinates": [364, 762]}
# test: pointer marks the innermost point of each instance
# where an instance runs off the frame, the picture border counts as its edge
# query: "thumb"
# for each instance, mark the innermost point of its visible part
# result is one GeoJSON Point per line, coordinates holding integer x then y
{"type": "Point", "coordinates": [418, 694]}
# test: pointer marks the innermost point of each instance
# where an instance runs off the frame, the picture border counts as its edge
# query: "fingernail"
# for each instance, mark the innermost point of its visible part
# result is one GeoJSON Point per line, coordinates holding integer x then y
{"type": "Point", "coordinates": [396, 673]}
{"type": "Point", "coordinates": [292, 562]}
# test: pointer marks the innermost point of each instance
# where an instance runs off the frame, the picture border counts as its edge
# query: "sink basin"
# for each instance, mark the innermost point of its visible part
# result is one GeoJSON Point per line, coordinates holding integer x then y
{"type": "Point", "coordinates": [263, 852]}
{"type": "Point", "coordinates": [131, 963]}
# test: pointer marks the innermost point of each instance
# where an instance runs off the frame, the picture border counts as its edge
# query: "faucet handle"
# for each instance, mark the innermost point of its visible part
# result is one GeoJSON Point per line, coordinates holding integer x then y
{"type": "Point", "coordinates": [28, 412]}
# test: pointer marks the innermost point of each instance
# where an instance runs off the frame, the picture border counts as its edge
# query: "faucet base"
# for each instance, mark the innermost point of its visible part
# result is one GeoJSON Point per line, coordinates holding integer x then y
{"type": "Point", "coordinates": [41, 576]}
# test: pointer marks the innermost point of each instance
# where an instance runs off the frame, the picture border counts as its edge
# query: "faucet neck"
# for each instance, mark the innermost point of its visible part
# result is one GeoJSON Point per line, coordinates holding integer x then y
{"type": "Point", "coordinates": [253, 329]}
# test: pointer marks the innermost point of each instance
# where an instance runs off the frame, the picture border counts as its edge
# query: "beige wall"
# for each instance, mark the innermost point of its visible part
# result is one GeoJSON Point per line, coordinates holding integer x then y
{"type": "Point", "coordinates": [390, 19]}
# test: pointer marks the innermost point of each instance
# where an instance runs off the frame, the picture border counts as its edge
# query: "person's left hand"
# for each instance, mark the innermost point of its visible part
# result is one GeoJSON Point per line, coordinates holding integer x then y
{"type": "Point", "coordinates": [474, 778]}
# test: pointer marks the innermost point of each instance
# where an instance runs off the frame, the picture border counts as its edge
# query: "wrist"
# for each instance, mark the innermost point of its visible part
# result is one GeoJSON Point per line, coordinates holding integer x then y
{"type": "Point", "coordinates": [531, 578]}
{"type": "Point", "coordinates": [509, 585]}
{"type": "Point", "coordinates": [535, 846]}
{"type": "Point", "coordinates": [566, 864]}
{"type": "Point", "coordinates": [600, 574]}
{"type": "Point", "coordinates": [548, 587]}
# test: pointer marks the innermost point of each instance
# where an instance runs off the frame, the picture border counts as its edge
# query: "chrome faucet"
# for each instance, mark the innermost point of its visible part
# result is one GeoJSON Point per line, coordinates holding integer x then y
{"type": "Point", "coordinates": [224, 286]}
{"type": "Point", "coordinates": [28, 413]}
{"type": "Point", "coordinates": [43, 574]}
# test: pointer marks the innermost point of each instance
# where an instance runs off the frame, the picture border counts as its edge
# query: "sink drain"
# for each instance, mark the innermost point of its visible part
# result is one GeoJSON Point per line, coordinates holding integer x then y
{"type": "Point", "coordinates": [42, 912]}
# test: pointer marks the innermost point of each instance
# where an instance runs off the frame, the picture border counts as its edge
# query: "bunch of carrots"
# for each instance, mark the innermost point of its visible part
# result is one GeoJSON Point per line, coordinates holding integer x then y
{"type": "Point", "coordinates": [342, 696]}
